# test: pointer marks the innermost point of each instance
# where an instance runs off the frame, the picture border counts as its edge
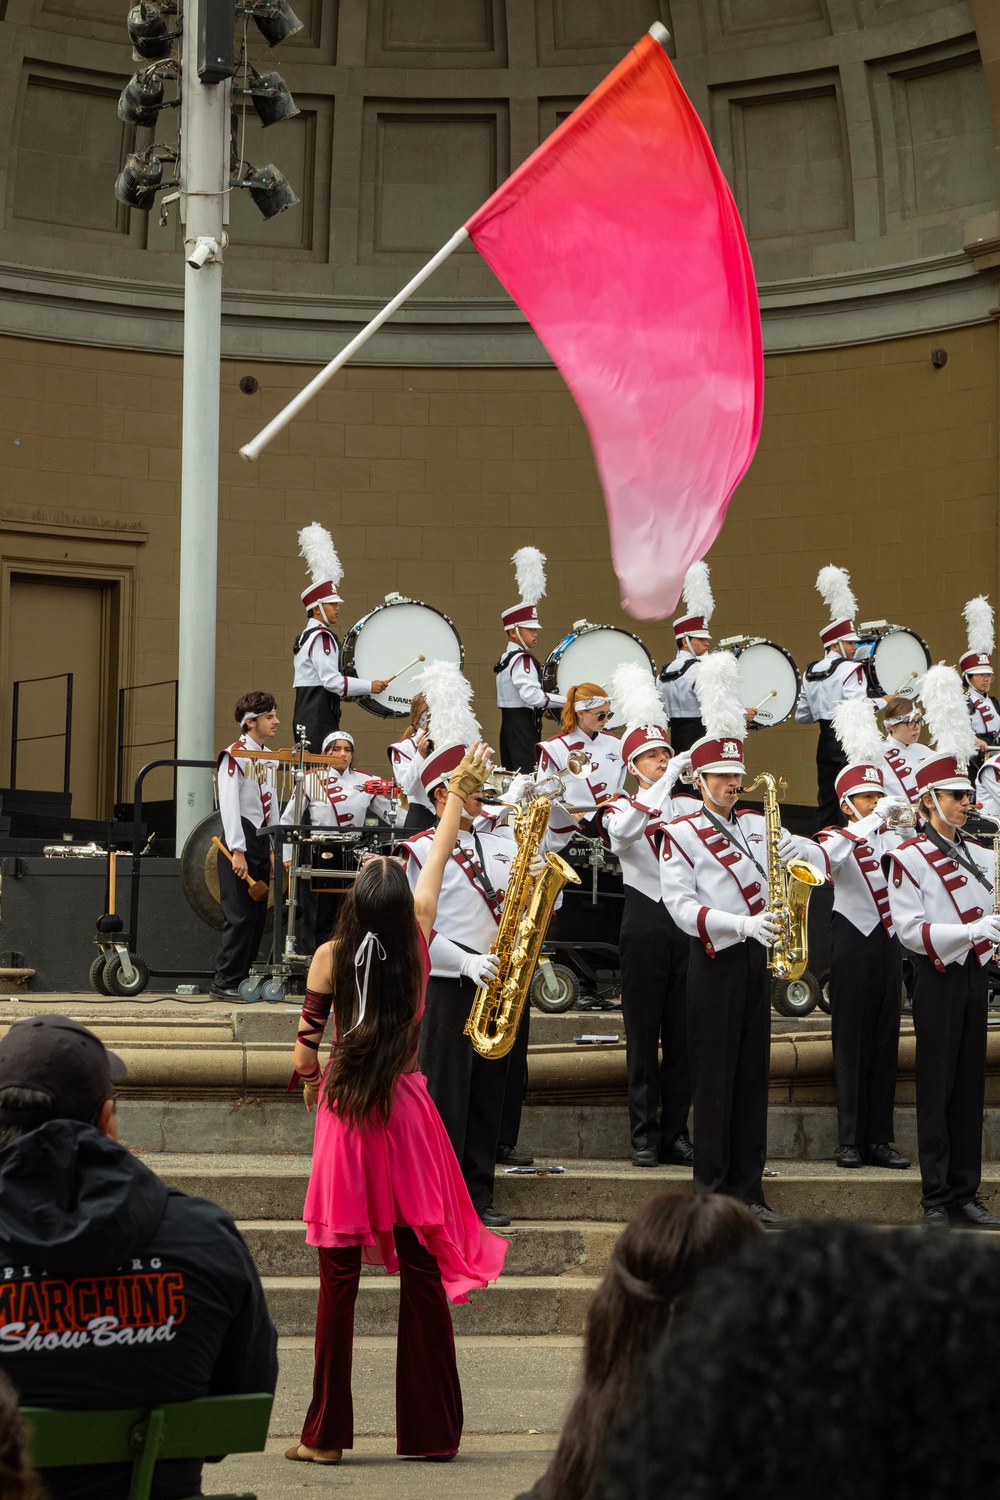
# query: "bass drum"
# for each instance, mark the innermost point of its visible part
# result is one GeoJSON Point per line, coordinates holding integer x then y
{"type": "Point", "coordinates": [591, 653]}
{"type": "Point", "coordinates": [769, 678]}
{"type": "Point", "coordinates": [200, 875]}
{"type": "Point", "coordinates": [388, 638]}
{"type": "Point", "coordinates": [894, 658]}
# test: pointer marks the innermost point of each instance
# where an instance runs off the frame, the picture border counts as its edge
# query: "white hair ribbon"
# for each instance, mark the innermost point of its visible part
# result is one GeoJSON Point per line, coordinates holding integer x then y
{"type": "Point", "coordinates": [364, 956]}
{"type": "Point", "coordinates": [586, 703]}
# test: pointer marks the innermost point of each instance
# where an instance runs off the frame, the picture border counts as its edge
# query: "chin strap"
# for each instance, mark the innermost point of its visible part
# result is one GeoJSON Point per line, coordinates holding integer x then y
{"type": "Point", "coordinates": [940, 810]}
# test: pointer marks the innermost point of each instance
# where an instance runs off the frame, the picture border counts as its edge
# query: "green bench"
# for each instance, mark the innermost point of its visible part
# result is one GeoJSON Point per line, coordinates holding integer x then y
{"type": "Point", "coordinates": [209, 1427]}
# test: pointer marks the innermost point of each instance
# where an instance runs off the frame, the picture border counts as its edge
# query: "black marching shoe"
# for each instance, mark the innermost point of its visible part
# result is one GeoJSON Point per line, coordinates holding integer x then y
{"type": "Point", "coordinates": [680, 1153]}
{"type": "Point", "coordinates": [217, 994]}
{"type": "Point", "coordinates": [884, 1155]}
{"type": "Point", "coordinates": [509, 1156]}
{"type": "Point", "coordinates": [849, 1156]}
{"type": "Point", "coordinates": [645, 1156]}
{"type": "Point", "coordinates": [768, 1217]}
{"type": "Point", "coordinates": [493, 1218]}
{"type": "Point", "coordinates": [974, 1215]}
{"type": "Point", "coordinates": [937, 1217]}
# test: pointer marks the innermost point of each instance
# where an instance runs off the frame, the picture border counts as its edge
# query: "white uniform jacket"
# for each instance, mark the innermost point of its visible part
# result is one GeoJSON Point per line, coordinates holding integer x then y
{"type": "Point", "coordinates": [933, 899]}
{"type": "Point", "coordinates": [852, 859]}
{"type": "Point", "coordinates": [408, 780]}
{"type": "Point", "coordinates": [901, 762]}
{"type": "Point", "coordinates": [840, 679]}
{"type": "Point", "coordinates": [519, 682]}
{"type": "Point", "coordinates": [247, 789]}
{"type": "Point", "coordinates": [675, 685]}
{"type": "Point", "coordinates": [985, 719]}
{"type": "Point", "coordinates": [988, 787]}
{"type": "Point", "coordinates": [317, 664]}
{"type": "Point", "coordinates": [604, 781]}
{"type": "Point", "coordinates": [708, 884]}
{"type": "Point", "coordinates": [332, 799]}
{"type": "Point", "coordinates": [632, 829]}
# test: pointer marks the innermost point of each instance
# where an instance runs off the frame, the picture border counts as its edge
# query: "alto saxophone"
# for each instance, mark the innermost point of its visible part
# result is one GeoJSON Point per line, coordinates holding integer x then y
{"type": "Point", "coordinates": [789, 891]}
{"type": "Point", "coordinates": [527, 910]}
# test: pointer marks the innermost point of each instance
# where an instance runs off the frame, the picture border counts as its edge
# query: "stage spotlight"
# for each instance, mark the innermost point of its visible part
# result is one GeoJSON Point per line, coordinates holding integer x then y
{"type": "Point", "coordinates": [147, 31]}
{"type": "Point", "coordinates": [139, 180]}
{"type": "Point", "coordinates": [276, 21]}
{"type": "Point", "coordinates": [141, 99]}
{"type": "Point", "coordinates": [272, 98]}
{"type": "Point", "coordinates": [269, 190]}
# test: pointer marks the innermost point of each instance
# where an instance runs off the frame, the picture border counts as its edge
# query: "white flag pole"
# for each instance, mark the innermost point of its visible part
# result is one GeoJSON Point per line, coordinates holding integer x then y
{"type": "Point", "coordinates": [252, 450]}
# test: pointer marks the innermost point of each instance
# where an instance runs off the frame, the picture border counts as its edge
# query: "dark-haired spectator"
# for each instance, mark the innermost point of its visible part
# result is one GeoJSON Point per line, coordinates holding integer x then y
{"type": "Point", "coordinates": [18, 1481]}
{"type": "Point", "coordinates": [666, 1245]}
{"type": "Point", "coordinates": [835, 1361]}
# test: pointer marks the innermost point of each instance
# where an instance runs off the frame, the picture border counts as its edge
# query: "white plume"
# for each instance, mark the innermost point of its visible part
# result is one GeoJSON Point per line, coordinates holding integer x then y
{"type": "Point", "coordinates": [698, 598]}
{"type": "Point", "coordinates": [947, 713]}
{"type": "Point", "coordinates": [449, 704]}
{"type": "Point", "coordinates": [316, 546]}
{"type": "Point", "coordinates": [979, 623]}
{"type": "Point", "coordinates": [857, 730]}
{"type": "Point", "coordinates": [529, 570]}
{"type": "Point", "coordinates": [717, 684]}
{"type": "Point", "coordinates": [634, 695]}
{"type": "Point", "coordinates": [834, 586]}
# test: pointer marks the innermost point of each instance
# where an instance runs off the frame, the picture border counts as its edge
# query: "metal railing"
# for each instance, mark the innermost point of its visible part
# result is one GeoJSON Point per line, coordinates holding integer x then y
{"type": "Point", "coordinates": [125, 746]}
{"type": "Point", "coordinates": [66, 736]}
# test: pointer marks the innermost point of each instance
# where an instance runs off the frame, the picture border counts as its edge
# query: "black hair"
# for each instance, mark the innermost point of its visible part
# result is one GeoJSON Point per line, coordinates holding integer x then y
{"type": "Point", "coordinates": [16, 1098]}
{"type": "Point", "coordinates": [254, 703]}
{"type": "Point", "coordinates": [18, 1480]}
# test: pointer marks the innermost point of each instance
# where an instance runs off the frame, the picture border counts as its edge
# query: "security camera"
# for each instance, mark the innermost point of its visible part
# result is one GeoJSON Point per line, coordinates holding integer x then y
{"type": "Point", "coordinates": [205, 249]}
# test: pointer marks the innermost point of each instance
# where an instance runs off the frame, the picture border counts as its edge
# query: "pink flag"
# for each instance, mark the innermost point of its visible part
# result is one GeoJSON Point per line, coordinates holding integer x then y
{"type": "Point", "coordinates": [620, 241]}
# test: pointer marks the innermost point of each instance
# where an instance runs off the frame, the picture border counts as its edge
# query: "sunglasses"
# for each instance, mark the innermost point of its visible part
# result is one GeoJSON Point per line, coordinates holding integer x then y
{"type": "Point", "coordinates": [601, 717]}
{"type": "Point", "coordinates": [958, 796]}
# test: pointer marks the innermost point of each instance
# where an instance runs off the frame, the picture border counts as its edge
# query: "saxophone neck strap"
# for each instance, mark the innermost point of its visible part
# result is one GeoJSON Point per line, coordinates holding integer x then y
{"type": "Point", "coordinates": [953, 850]}
{"type": "Point", "coordinates": [728, 833]}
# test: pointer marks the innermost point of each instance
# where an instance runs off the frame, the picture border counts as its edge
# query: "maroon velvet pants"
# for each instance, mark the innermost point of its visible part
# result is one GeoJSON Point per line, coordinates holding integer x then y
{"type": "Point", "coordinates": [428, 1395]}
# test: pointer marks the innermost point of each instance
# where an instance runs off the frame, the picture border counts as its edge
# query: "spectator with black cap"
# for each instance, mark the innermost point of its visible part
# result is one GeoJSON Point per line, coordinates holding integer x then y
{"type": "Point", "coordinates": [115, 1290]}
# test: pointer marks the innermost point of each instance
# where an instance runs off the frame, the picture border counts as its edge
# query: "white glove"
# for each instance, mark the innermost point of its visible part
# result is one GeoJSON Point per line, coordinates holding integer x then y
{"type": "Point", "coordinates": [480, 967]}
{"type": "Point", "coordinates": [787, 847]}
{"type": "Point", "coordinates": [536, 864]}
{"type": "Point", "coordinates": [887, 807]}
{"type": "Point", "coordinates": [763, 928]}
{"type": "Point", "coordinates": [677, 766]}
{"type": "Point", "coordinates": [986, 929]}
{"type": "Point", "coordinates": [518, 789]}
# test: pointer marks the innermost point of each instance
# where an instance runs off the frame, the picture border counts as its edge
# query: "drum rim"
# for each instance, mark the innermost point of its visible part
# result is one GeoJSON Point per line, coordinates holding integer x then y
{"type": "Point", "coordinates": [764, 640]}
{"type": "Point", "coordinates": [368, 702]}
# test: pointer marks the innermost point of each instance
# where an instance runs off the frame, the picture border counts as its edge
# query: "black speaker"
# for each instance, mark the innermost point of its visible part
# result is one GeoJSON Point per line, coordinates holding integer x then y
{"type": "Point", "coordinates": [216, 40]}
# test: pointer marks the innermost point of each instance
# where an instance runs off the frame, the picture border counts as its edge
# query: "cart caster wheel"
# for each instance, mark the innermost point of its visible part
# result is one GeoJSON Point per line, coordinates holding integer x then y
{"type": "Point", "coordinates": [250, 988]}
{"type": "Point", "coordinates": [272, 990]}
{"type": "Point", "coordinates": [116, 982]}
{"type": "Point", "coordinates": [554, 988]}
{"type": "Point", "coordinates": [97, 981]}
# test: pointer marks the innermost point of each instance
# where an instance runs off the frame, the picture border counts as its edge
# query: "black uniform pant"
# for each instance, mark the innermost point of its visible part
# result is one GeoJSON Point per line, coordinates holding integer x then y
{"type": "Point", "coordinates": [319, 711]}
{"type": "Point", "coordinates": [466, 1088]}
{"type": "Point", "coordinates": [519, 732]}
{"type": "Point", "coordinates": [866, 983]}
{"type": "Point", "coordinates": [517, 1082]}
{"type": "Point", "coordinates": [654, 962]}
{"type": "Point", "coordinates": [729, 1046]}
{"type": "Point", "coordinates": [949, 1020]}
{"type": "Point", "coordinates": [684, 732]}
{"type": "Point", "coordinates": [243, 918]}
{"type": "Point", "coordinates": [830, 761]}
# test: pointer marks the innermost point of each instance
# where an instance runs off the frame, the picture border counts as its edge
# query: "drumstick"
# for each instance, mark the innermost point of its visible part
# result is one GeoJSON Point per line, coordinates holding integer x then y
{"type": "Point", "coordinates": [258, 888]}
{"type": "Point", "coordinates": [772, 694]}
{"type": "Point", "coordinates": [409, 664]}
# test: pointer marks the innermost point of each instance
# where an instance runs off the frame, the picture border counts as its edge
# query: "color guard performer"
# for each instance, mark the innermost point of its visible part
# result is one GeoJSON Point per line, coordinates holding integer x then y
{"type": "Point", "coordinates": [248, 803]}
{"type": "Point", "coordinates": [677, 679]}
{"type": "Point", "coordinates": [520, 696]}
{"type": "Point", "coordinates": [653, 951]}
{"type": "Point", "coordinates": [942, 902]}
{"type": "Point", "coordinates": [976, 667]}
{"type": "Point", "coordinates": [904, 753]}
{"type": "Point", "coordinates": [713, 882]}
{"type": "Point", "coordinates": [320, 685]}
{"type": "Point", "coordinates": [585, 713]}
{"type": "Point", "coordinates": [866, 977]}
{"type": "Point", "coordinates": [825, 683]}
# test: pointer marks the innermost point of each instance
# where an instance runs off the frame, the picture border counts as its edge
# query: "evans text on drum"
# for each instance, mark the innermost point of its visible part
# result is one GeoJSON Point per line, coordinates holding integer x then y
{"type": "Point", "coordinates": [894, 658]}
{"type": "Point", "coordinates": [768, 676]}
{"type": "Point", "coordinates": [387, 639]}
{"type": "Point", "coordinates": [592, 653]}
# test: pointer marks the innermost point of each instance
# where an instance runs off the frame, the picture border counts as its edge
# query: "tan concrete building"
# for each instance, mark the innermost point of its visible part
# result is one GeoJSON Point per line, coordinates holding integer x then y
{"type": "Point", "coordinates": [860, 137]}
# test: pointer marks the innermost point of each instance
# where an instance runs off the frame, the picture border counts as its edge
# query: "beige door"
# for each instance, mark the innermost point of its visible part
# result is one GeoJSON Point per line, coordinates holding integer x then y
{"type": "Point", "coordinates": [60, 626]}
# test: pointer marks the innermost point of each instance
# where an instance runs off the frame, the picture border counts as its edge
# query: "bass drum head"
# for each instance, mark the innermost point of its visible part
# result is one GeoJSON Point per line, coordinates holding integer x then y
{"type": "Point", "coordinates": [389, 637]}
{"type": "Point", "coordinates": [200, 873]}
{"type": "Point", "coordinates": [764, 668]}
{"type": "Point", "coordinates": [897, 664]}
{"type": "Point", "coordinates": [593, 656]}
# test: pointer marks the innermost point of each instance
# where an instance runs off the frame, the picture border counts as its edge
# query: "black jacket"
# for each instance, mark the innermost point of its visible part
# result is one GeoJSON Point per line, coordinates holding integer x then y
{"type": "Point", "coordinates": [118, 1291]}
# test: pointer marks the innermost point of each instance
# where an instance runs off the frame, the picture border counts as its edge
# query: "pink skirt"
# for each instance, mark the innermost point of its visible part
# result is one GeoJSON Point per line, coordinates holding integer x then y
{"type": "Point", "coordinates": [363, 1181]}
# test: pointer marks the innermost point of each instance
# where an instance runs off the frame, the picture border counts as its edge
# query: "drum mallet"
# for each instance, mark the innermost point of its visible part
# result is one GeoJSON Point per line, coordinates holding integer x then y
{"type": "Point", "coordinates": [772, 694]}
{"type": "Point", "coordinates": [259, 889]}
{"type": "Point", "coordinates": [905, 683]}
{"type": "Point", "coordinates": [409, 664]}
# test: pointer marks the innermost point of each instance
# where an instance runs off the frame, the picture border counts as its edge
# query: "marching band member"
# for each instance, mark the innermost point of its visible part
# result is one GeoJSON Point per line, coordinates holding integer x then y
{"type": "Point", "coordinates": [320, 685]}
{"type": "Point", "coordinates": [653, 951]}
{"type": "Point", "coordinates": [586, 710]}
{"type": "Point", "coordinates": [404, 756]}
{"type": "Point", "coordinates": [520, 695]}
{"type": "Point", "coordinates": [248, 803]}
{"type": "Point", "coordinates": [866, 978]}
{"type": "Point", "coordinates": [677, 679]}
{"type": "Point", "coordinates": [988, 785]}
{"type": "Point", "coordinates": [825, 683]}
{"type": "Point", "coordinates": [942, 899]}
{"type": "Point", "coordinates": [713, 882]}
{"type": "Point", "coordinates": [902, 748]}
{"type": "Point", "coordinates": [976, 667]}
